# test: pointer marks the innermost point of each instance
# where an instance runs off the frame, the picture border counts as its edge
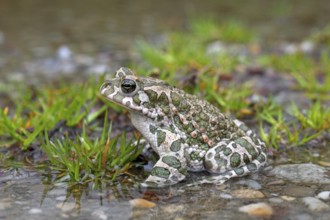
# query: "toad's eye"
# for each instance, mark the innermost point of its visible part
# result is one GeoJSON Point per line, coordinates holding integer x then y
{"type": "Point", "coordinates": [128, 86]}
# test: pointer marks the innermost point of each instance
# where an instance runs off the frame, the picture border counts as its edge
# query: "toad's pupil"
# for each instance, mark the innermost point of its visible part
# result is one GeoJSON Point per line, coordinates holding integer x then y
{"type": "Point", "coordinates": [128, 86]}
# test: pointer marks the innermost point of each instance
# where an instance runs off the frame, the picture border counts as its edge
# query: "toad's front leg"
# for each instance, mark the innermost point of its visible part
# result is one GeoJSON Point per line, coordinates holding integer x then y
{"type": "Point", "coordinates": [169, 169]}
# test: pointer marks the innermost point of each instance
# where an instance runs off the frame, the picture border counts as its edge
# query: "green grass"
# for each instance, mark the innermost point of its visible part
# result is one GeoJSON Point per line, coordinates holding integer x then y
{"type": "Point", "coordinates": [293, 128]}
{"type": "Point", "coordinates": [85, 159]}
{"type": "Point", "coordinates": [35, 112]}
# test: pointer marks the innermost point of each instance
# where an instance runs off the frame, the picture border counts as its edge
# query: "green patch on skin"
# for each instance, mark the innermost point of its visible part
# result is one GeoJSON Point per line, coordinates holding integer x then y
{"type": "Point", "coordinates": [218, 149]}
{"type": "Point", "coordinates": [161, 135]}
{"type": "Point", "coordinates": [152, 129]}
{"type": "Point", "coordinates": [163, 99]}
{"type": "Point", "coordinates": [118, 97]}
{"type": "Point", "coordinates": [151, 184]}
{"type": "Point", "coordinates": [246, 158]}
{"type": "Point", "coordinates": [227, 151]}
{"type": "Point", "coordinates": [194, 156]}
{"type": "Point", "coordinates": [204, 117]}
{"type": "Point", "coordinates": [239, 171]}
{"type": "Point", "coordinates": [160, 172]}
{"type": "Point", "coordinates": [209, 155]}
{"type": "Point", "coordinates": [136, 99]}
{"type": "Point", "coordinates": [176, 145]}
{"type": "Point", "coordinates": [184, 106]}
{"type": "Point", "coordinates": [160, 118]}
{"type": "Point", "coordinates": [109, 91]}
{"type": "Point", "coordinates": [152, 95]}
{"type": "Point", "coordinates": [166, 109]}
{"type": "Point", "coordinates": [148, 105]}
{"type": "Point", "coordinates": [249, 147]}
{"type": "Point", "coordinates": [235, 160]}
{"type": "Point", "coordinates": [176, 99]}
{"type": "Point", "coordinates": [171, 161]}
{"type": "Point", "coordinates": [252, 167]}
{"type": "Point", "coordinates": [177, 121]}
{"type": "Point", "coordinates": [261, 158]}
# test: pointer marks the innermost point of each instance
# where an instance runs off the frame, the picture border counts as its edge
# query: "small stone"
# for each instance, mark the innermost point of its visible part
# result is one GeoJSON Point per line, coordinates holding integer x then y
{"type": "Point", "coordinates": [225, 196]}
{"type": "Point", "coordinates": [315, 204]}
{"type": "Point", "coordinates": [307, 46]}
{"type": "Point", "coordinates": [276, 200]}
{"type": "Point", "coordinates": [325, 195]}
{"type": "Point", "coordinates": [60, 198]}
{"type": "Point", "coordinates": [260, 209]}
{"type": "Point", "coordinates": [252, 184]}
{"type": "Point", "coordinates": [303, 216]}
{"type": "Point", "coordinates": [298, 191]}
{"type": "Point", "coordinates": [4, 204]}
{"type": "Point", "coordinates": [66, 207]}
{"type": "Point", "coordinates": [141, 203]}
{"type": "Point", "coordinates": [35, 211]}
{"type": "Point", "coordinates": [302, 173]}
{"type": "Point", "coordinates": [173, 208]}
{"type": "Point", "coordinates": [288, 198]}
{"type": "Point", "coordinates": [324, 163]}
{"type": "Point", "coordinates": [100, 214]}
{"type": "Point", "coordinates": [64, 52]}
{"type": "Point", "coordinates": [247, 194]}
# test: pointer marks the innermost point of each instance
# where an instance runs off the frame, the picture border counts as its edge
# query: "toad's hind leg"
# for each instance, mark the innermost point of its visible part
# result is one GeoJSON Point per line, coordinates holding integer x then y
{"type": "Point", "coordinates": [234, 158]}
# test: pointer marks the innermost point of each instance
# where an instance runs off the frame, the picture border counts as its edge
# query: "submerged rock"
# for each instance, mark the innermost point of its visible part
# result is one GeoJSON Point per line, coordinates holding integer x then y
{"type": "Point", "coordinates": [315, 204]}
{"type": "Point", "coordinates": [302, 173]}
{"type": "Point", "coordinates": [247, 194]}
{"type": "Point", "coordinates": [260, 209]}
{"type": "Point", "coordinates": [325, 195]}
{"type": "Point", "coordinates": [142, 203]}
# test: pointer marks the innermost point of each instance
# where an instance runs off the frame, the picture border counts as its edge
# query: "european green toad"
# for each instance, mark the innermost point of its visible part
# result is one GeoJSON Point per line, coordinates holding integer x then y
{"type": "Point", "coordinates": [188, 133]}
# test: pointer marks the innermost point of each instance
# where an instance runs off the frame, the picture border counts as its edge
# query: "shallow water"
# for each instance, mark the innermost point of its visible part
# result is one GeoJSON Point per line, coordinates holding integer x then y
{"type": "Point", "coordinates": [32, 199]}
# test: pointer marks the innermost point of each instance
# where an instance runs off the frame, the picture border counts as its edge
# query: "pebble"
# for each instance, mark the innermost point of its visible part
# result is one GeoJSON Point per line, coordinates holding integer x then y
{"type": "Point", "coordinates": [307, 46]}
{"type": "Point", "coordinates": [303, 216]}
{"type": "Point", "coordinates": [5, 203]}
{"type": "Point", "coordinates": [260, 209]}
{"type": "Point", "coordinates": [100, 214]}
{"type": "Point", "coordinates": [325, 195]}
{"type": "Point", "coordinates": [247, 194]}
{"type": "Point", "coordinates": [64, 52]}
{"type": "Point", "coordinates": [173, 208]}
{"type": "Point", "coordinates": [225, 196]}
{"type": "Point", "coordinates": [250, 183]}
{"type": "Point", "coordinates": [35, 211]}
{"type": "Point", "coordinates": [276, 200]}
{"type": "Point", "coordinates": [141, 203]}
{"type": "Point", "coordinates": [60, 198]}
{"type": "Point", "coordinates": [315, 204]}
{"type": "Point", "coordinates": [66, 207]}
{"type": "Point", "coordinates": [298, 191]}
{"type": "Point", "coordinates": [288, 198]}
{"type": "Point", "coordinates": [302, 173]}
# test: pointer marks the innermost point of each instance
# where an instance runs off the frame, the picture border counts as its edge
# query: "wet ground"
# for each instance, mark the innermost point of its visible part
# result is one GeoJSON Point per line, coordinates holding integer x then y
{"type": "Point", "coordinates": [271, 194]}
{"type": "Point", "coordinates": [73, 39]}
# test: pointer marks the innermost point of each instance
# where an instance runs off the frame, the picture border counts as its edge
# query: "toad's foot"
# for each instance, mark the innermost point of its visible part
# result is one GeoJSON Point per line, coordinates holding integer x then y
{"type": "Point", "coordinates": [168, 170]}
